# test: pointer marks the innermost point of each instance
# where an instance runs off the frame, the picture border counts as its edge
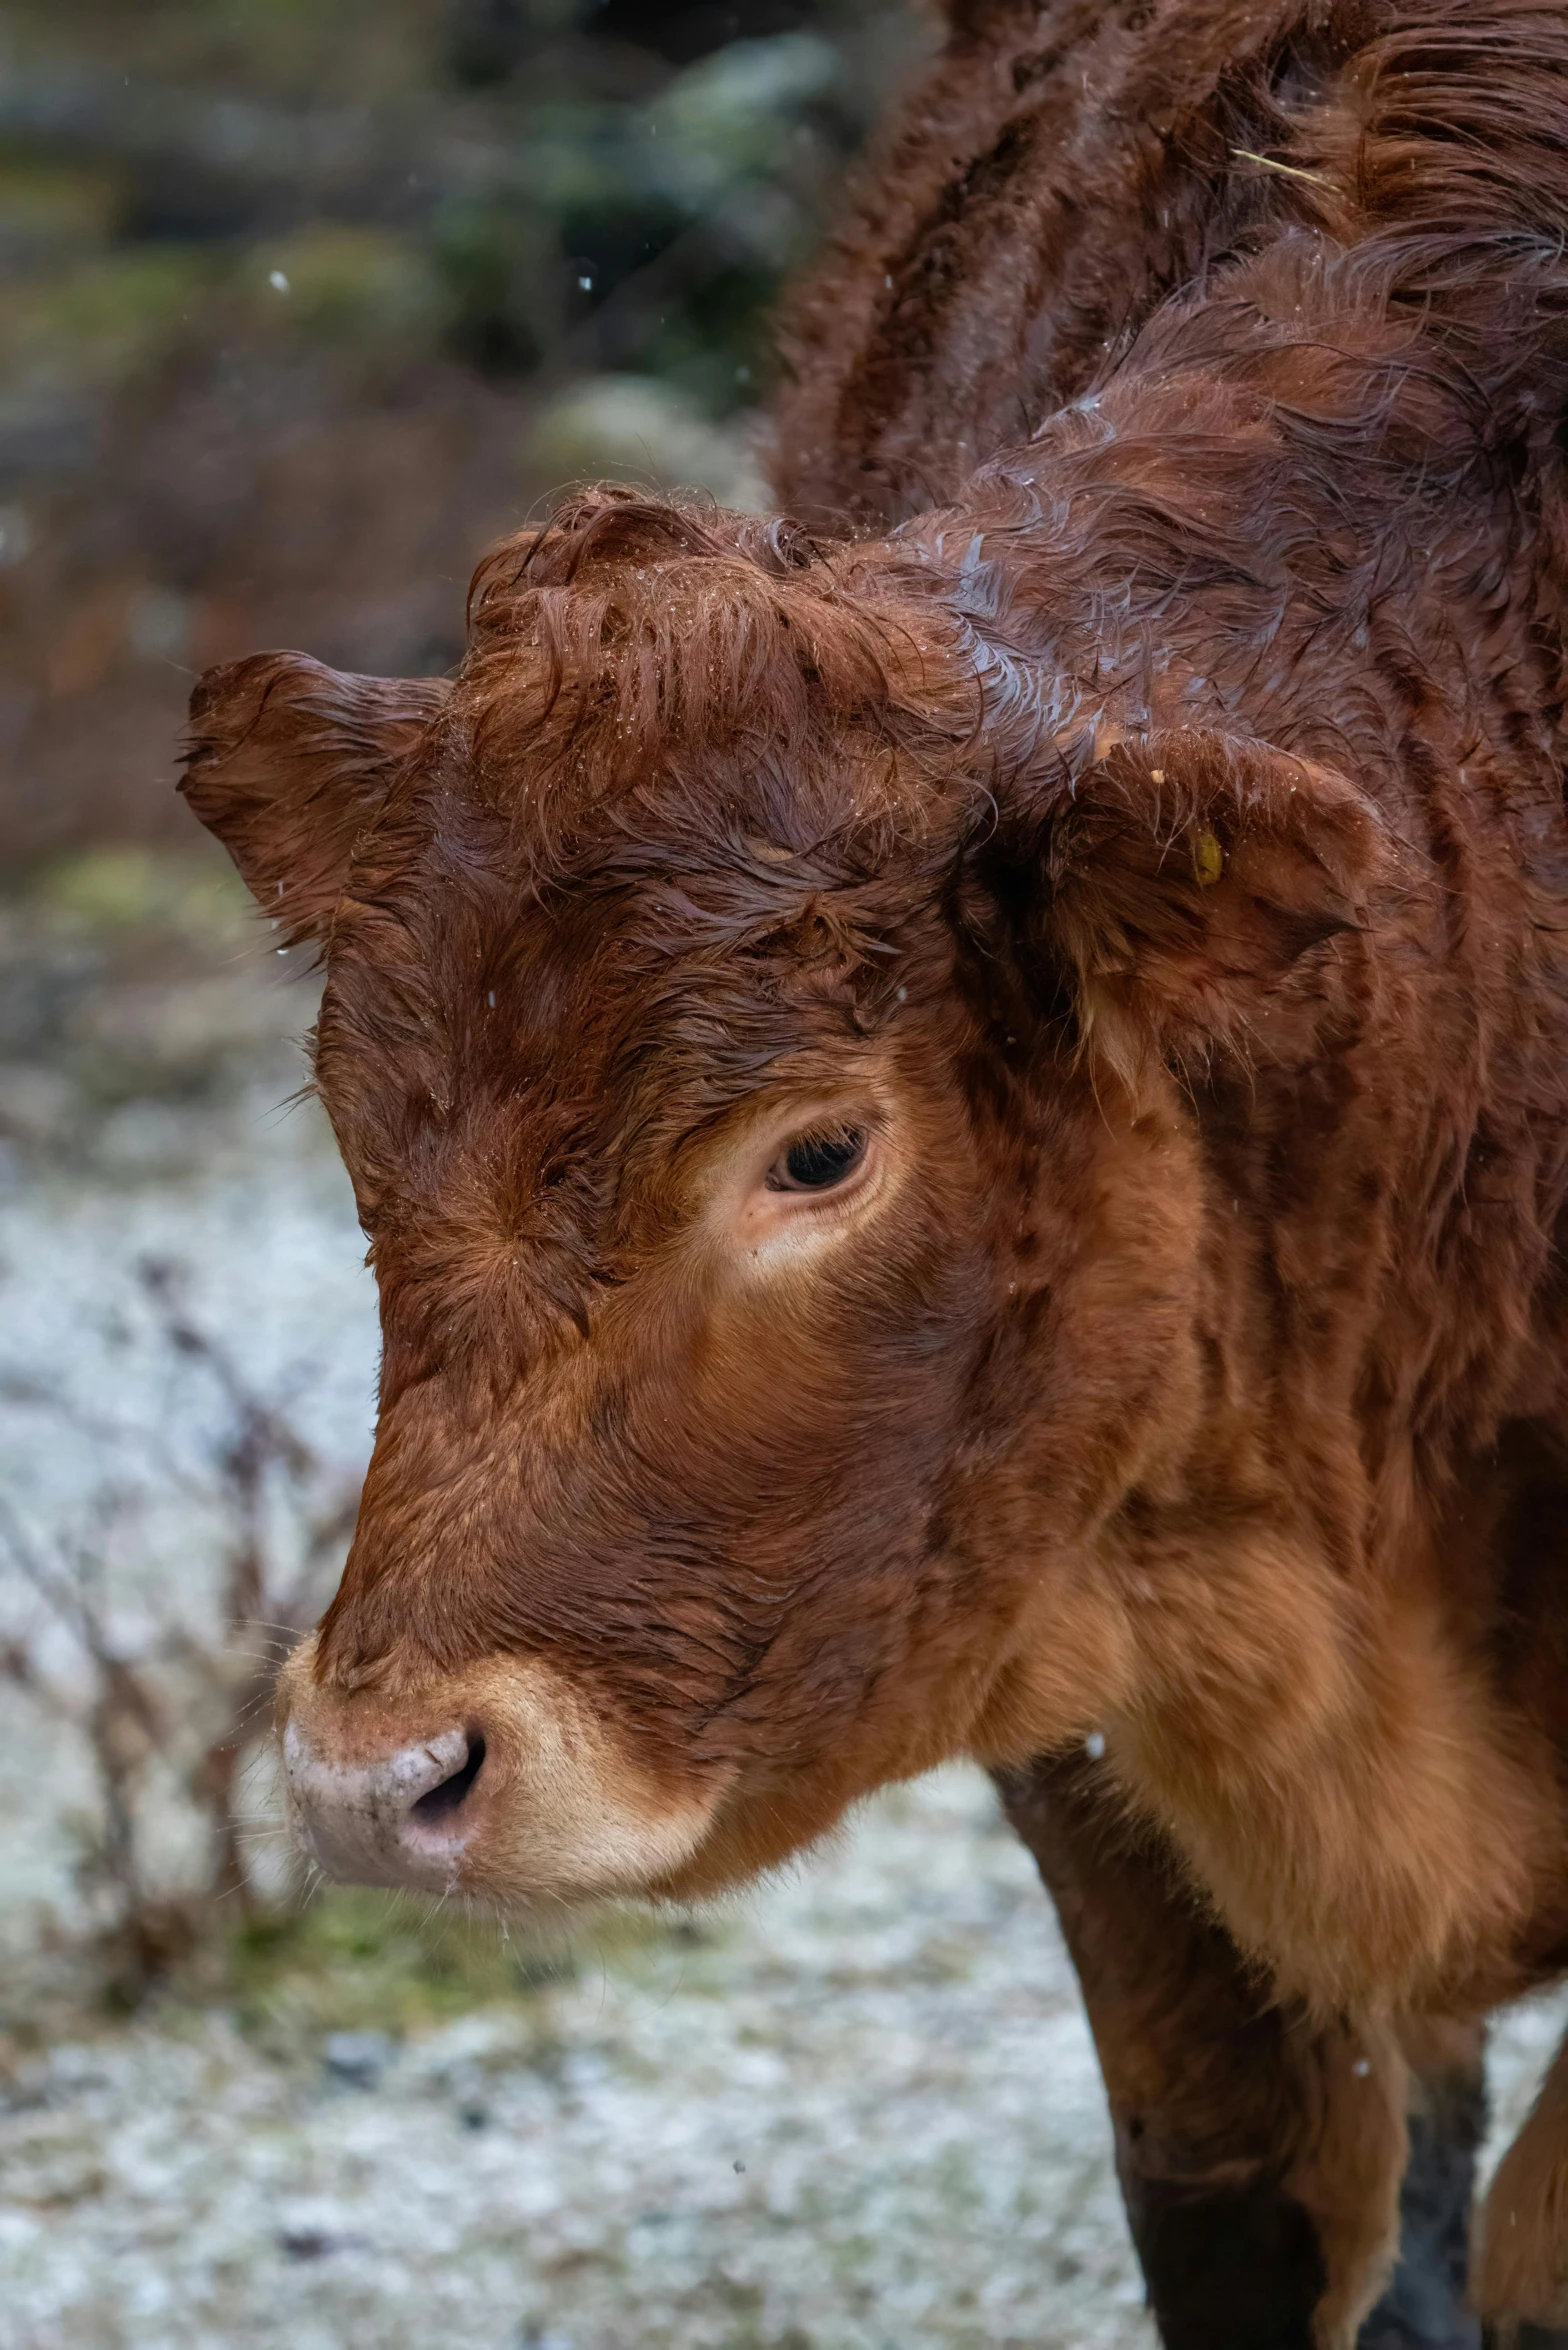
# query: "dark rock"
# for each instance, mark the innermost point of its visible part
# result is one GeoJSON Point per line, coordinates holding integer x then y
{"type": "Point", "coordinates": [357, 2059]}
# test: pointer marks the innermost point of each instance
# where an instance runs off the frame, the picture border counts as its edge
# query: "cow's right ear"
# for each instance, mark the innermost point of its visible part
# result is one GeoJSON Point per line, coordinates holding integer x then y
{"type": "Point", "coordinates": [288, 763]}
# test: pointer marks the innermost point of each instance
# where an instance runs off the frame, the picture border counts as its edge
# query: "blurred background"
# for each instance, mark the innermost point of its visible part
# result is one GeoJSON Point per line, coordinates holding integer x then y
{"type": "Point", "coordinates": [302, 302]}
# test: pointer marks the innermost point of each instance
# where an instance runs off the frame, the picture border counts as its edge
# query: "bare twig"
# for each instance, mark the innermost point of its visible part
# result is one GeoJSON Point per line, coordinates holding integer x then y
{"type": "Point", "coordinates": [263, 1477]}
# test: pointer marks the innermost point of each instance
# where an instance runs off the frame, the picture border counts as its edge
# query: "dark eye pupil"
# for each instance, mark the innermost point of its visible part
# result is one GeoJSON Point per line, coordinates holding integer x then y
{"type": "Point", "coordinates": [820, 1159]}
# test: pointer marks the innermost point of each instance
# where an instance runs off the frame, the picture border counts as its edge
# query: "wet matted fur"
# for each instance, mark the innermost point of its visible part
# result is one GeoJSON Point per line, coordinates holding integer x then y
{"type": "Point", "coordinates": [1152, 846]}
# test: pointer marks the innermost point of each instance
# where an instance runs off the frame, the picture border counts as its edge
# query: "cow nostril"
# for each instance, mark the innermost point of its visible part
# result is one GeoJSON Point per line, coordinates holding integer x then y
{"type": "Point", "coordinates": [452, 1792]}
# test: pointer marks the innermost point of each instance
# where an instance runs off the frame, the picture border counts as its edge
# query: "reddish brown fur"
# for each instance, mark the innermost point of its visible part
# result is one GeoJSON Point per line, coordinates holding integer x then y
{"type": "Point", "coordinates": [1165, 834]}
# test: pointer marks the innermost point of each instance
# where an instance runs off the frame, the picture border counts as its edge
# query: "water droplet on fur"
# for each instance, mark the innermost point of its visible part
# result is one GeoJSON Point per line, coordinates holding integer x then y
{"type": "Point", "coordinates": [1094, 1745]}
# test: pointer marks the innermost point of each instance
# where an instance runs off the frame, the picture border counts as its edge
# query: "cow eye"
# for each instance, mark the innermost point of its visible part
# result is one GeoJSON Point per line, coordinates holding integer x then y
{"type": "Point", "coordinates": [815, 1162]}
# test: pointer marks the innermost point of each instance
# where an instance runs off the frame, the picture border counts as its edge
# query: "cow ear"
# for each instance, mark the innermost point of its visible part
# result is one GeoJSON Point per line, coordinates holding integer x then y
{"type": "Point", "coordinates": [288, 763]}
{"type": "Point", "coordinates": [1188, 873]}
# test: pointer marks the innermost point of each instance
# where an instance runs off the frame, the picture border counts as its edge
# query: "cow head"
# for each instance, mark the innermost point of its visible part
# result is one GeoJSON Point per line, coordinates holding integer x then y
{"type": "Point", "coordinates": [787, 1265]}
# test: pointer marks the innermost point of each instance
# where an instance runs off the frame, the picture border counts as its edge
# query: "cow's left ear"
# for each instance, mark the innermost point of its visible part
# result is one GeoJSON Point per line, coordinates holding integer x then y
{"type": "Point", "coordinates": [289, 762]}
{"type": "Point", "coordinates": [1187, 873]}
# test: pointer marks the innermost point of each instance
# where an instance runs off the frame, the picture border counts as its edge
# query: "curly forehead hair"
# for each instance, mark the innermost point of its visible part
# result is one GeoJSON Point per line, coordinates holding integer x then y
{"type": "Point", "coordinates": [721, 660]}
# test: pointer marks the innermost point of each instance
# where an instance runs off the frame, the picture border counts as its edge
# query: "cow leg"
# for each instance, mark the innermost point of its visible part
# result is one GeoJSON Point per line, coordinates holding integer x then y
{"type": "Point", "coordinates": [1429, 2296]}
{"type": "Point", "coordinates": [1426, 2300]}
{"type": "Point", "coordinates": [1260, 2156]}
{"type": "Point", "coordinates": [1524, 2237]}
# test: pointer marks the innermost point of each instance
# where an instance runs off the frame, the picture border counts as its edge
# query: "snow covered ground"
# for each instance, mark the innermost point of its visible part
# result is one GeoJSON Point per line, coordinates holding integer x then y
{"type": "Point", "coordinates": [865, 2114]}
{"type": "Point", "coordinates": [860, 2113]}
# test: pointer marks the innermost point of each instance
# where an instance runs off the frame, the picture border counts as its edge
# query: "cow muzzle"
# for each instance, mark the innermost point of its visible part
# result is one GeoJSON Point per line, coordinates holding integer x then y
{"type": "Point", "coordinates": [502, 1782]}
{"type": "Point", "coordinates": [391, 1819]}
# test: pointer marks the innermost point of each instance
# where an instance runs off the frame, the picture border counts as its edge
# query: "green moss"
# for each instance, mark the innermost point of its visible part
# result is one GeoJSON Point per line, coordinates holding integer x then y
{"type": "Point", "coordinates": [292, 49]}
{"type": "Point", "coordinates": [112, 317]}
{"type": "Point", "coordinates": [296, 47]}
{"type": "Point", "coordinates": [358, 1960]}
{"type": "Point", "coordinates": [127, 889]}
{"type": "Point", "coordinates": [49, 210]}
{"type": "Point", "coordinates": [351, 288]}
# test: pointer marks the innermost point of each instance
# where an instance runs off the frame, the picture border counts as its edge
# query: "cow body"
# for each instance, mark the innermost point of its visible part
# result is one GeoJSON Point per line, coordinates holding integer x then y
{"type": "Point", "coordinates": [965, 1131]}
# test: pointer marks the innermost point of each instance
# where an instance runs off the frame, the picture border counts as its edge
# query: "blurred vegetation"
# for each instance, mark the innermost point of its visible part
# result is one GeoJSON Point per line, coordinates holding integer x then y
{"type": "Point", "coordinates": [300, 305]}
{"type": "Point", "coordinates": [152, 1694]}
{"type": "Point", "coordinates": [348, 1960]}
{"type": "Point", "coordinates": [355, 1960]}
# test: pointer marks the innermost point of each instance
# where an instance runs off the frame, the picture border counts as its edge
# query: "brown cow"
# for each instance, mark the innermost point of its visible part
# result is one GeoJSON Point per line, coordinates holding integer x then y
{"type": "Point", "coordinates": [964, 1133]}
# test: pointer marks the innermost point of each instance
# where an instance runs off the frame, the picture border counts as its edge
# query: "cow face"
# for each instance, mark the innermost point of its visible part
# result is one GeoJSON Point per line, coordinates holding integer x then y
{"type": "Point", "coordinates": [771, 1306]}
